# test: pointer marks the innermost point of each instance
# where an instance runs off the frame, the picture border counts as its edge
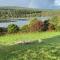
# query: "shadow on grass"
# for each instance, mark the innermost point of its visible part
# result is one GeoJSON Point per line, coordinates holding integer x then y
{"type": "Point", "coordinates": [13, 51]}
{"type": "Point", "coordinates": [53, 40]}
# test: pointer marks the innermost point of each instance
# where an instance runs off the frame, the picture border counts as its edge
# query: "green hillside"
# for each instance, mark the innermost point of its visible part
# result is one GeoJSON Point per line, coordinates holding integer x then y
{"type": "Point", "coordinates": [47, 49]}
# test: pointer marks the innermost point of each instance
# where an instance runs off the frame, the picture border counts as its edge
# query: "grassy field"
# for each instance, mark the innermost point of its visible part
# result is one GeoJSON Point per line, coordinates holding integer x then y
{"type": "Point", "coordinates": [12, 38]}
{"type": "Point", "coordinates": [48, 49]}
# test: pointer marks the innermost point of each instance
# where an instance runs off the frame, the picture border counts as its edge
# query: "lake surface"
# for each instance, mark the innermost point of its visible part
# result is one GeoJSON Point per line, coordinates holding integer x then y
{"type": "Point", "coordinates": [18, 22]}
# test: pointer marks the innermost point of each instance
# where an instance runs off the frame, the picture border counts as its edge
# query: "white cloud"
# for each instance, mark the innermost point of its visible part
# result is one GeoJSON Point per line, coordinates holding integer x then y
{"type": "Point", "coordinates": [57, 2]}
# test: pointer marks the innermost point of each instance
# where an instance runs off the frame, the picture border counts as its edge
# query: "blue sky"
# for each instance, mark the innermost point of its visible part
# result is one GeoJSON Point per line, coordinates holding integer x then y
{"type": "Point", "coordinates": [14, 2]}
{"type": "Point", "coordinates": [31, 3]}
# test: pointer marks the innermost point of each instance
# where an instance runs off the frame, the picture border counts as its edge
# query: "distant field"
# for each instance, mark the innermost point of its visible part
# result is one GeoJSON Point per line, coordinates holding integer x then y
{"type": "Point", "coordinates": [12, 38]}
{"type": "Point", "coordinates": [48, 49]}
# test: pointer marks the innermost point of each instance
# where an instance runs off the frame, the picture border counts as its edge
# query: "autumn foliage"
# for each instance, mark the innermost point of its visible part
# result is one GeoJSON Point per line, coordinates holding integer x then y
{"type": "Point", "coordinates": [36, 25]}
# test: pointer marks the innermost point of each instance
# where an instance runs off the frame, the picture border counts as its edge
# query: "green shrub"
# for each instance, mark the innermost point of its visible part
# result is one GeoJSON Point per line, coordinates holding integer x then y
{"type": "Point", "coordinates": [56, 22]}
{"type": "Point", "coordinates": [12, 28]}
{"type": "Point", "coordinates": [57, 28]}
{"type": "Point", "coordinates": [25, 28]}
{"type": "Point", "coordinates": [33, 20]}
{"type": "Point", "coordinates": [51, 27]}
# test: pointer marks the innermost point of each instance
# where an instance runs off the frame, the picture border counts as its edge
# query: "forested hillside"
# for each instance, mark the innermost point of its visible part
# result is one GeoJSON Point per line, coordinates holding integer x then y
{"type": "Point", "coordinates": [21, 12]}
{"type": "Point", "coordinates": [6, 12]}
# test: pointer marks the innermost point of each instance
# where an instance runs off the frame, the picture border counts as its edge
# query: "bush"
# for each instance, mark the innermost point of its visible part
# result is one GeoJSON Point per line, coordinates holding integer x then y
{"type": "Point", "coordinates": [1, 30]}
{"type": "Point", "coordinates": [36, 25]}
{"type": "Point", "coordinates": [56, 22]}
{"type": "Point", "coordinates": [57, 28]}
{"type": "Point", "coordinates": [12, 28]}
{"type": "Point", "coordinates": [25, 28]}
{"type": "Point", "coordinates": [51, 27]}
{"type": "Point", "coordinates": [46, 24]}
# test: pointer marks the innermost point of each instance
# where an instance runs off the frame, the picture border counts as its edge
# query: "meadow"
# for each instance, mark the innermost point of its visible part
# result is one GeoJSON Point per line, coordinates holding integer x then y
{"type": "Point", "coordinates": [47, 49]}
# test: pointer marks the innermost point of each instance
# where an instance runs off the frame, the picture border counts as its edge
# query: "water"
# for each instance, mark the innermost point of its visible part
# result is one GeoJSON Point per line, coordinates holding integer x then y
{"type": "Point", "coordinates": [18, 22]}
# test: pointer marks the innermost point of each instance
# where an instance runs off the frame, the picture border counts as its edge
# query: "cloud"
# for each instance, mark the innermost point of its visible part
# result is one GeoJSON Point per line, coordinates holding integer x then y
{"type": "Point", "coordinates": [57, 2]}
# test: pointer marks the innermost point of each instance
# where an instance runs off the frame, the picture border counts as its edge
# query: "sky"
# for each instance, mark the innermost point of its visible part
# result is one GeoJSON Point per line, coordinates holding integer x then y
{"type": "Point", "coordinates": [57, 2]}
{"type": "Point", "coordinates": [32, 3]}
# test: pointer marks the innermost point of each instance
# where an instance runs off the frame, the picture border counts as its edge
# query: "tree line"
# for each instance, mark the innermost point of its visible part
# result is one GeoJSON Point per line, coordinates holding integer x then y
{"type": "Point", "coordinates": [18, 13]}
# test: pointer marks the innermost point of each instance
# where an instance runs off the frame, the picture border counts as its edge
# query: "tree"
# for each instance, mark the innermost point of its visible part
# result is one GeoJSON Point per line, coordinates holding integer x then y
{"type": "Point", "coordinates": [36, 25]}
{"type": "Point", "coordinates": [25, 28]}
{"type": "Point", "coordinates": [12, 28]}
{"type": "Point", "coordinates": [51, 27]}
{"type": "Point", "coordinates": [46, 24]}
{"type": "Point", "coordinates": [56, 22]}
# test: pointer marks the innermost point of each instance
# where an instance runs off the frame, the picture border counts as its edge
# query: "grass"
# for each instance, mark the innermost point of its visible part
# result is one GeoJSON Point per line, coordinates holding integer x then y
{"type": "Point", "coordinates": [12, 38]}
{"type": "Point", "coordinates": [48, 49]}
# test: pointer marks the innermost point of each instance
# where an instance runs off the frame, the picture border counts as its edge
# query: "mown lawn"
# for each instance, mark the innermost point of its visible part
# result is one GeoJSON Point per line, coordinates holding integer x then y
{"type": "Point", "coordinates": [48, 49]}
